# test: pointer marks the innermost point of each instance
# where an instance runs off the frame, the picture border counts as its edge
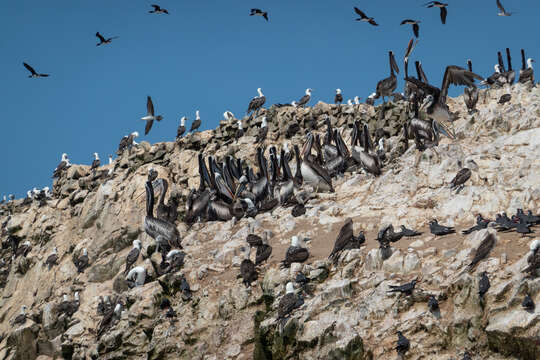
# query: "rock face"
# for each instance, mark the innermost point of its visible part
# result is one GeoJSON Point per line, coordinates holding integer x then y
{"type": "Point", "coordinates": [347, 312]}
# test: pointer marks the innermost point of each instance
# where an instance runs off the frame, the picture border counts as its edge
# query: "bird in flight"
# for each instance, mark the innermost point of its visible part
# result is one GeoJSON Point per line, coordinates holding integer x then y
{"type": "Point", "coordinates": [501, 8]}
{"type": "Point", "coordinates": [150, 117]}
{"type": "Point", "coordinates": [158, 10]}
{"type": "Point", "coordinates": [259, 12]}
{"type": "Point", "coordinates": [364, 17]}
{"type": "Point", "coordinates": [103, 41]}
{"type": "Point", "coordinates": [441, 6]}
{"type": "Point", "coordinates": [414, 24]}
{"type": "Point", "coordinates": [34, 73]}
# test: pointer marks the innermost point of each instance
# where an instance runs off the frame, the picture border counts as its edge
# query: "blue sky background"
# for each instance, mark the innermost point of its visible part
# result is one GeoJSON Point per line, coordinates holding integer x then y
{"type": "Point", "coordinates": [211, 56]}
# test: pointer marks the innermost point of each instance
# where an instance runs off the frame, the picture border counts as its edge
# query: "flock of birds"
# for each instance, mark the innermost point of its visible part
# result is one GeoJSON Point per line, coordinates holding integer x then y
{"type": "Point", "coordinates": [231, 188]}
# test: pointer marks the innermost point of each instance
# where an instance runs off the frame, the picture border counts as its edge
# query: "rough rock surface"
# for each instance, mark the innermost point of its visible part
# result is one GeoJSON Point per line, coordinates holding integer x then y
{"type": "Point", "coordinates": [347, 312]}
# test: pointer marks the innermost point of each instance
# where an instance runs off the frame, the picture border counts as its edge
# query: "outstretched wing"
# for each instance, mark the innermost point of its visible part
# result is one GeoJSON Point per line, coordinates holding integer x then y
{"type": "Point", "coordinates": [360, 12]}
{"type": "Point", "coordinates": [149, 106]}
{"type": "Point", "coordinates": [444, 12]}
{"type": "Point", "coordinates": [499, 5]}
{"type": "Point", "coordinates": [458, 76]}
{"type": "Point", "coordinates": [100, 37]}
{"type": "Point", "coordinates": [29, 68]}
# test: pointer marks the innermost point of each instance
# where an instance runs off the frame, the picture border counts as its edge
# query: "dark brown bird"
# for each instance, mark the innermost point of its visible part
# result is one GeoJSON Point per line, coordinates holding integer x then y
{"type": "Point", "coordinates": [248, 272]}
{"type": "Point", "coordinates": [363, 17]}
{"type": "Point", "coordinates": [403, 344]}
{"type": "Point", "coordinates": [346, 240]}
{"type": "Point", "coordinates": [504, 99]}
{"type": "Point", "coordinates": [461, 178]}
{"type": "Point", "coordinates": [483, 250]}
{"type": "Point", "coordinates": [295, 253]}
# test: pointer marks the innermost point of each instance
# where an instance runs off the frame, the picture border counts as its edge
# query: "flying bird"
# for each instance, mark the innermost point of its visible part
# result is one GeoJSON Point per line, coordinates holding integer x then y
{"type": "Point", "coordinates": [33, 74]}
{"type": "Point", "coordinates": [259, 12]}
{"type": "Point", "coordinates": [158, 10]}
{"type": "Point", "coordinates": [441, 6]}
{"type": "Point", "coordinates": [365, 18]}
{"type": "Point", "coordinates": [103, 41]}
{"type": "Point", "coordinates": [414, 23]}
{"type": "Point", "coordinates": [150, 117]}
{"type": "Point", "coordinates": [502, 11]}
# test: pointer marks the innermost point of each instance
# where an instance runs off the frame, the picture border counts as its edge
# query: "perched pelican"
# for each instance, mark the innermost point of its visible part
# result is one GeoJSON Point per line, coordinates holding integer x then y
{"type": "Point", "coordinates": [510, 73]}
{"type": "Point", "coordinates": [414, 24]}
{"type": "Point", "coordinates": [526, 73]}
{"type": "Point", "coordinates": [104, 41]}
{"type": "Point", "coordinates": [158, 10]}
{"type": "Point", "coordinates": [256, 103]}
{"type": "Point", "coordinates": [154, 226]}
{"type": "Point", "coordinates": [33, 72]}
{"type": "Point", "coordinates": [305, 99]}
{"type": "Point", "coordinates": [165, 212]}
{"type": "Point", "coordinates": [387, 86]}
{"type": "Point", "coordinates": [441, 6]}
{"type": "Point", "coordinates": [366, 157]}
{"type": "Point", "coordinates": [363, 17]}
{"type": "Point", "coordinates": [150, 117]}
{"type": "Point", "coordinates": [182, 128]}
{"type": "Point", "coordinates": [313, 173]}
{"type": "Point", "coordinates": [259, 12]}
{"type": "Point", "coordinates": [196, 123]}
{"type": "Point", "coordinates": [470, 94]}
{"type": "Point", "coordinates": [338, 99]}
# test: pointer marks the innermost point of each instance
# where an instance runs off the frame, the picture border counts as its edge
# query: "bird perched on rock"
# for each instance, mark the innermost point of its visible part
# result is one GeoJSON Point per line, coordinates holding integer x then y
{"type": "Point", "coordinates": [461, 177]}
{"type": "Point", "coordinates": [533, 260]}
{"type": "Point", "coordinates": [263, 131]}
{"type": "Point", "coordinates": [433, 306]}
{"type": "Point", "coordinates": [196, 123]}
{"type": "Point", "coordinates": [82, 262]}
{"type": "Point", "coordinates": [387, 234]}
{"type": "Point", "coordinates": [528, 303]}
{"type": "Point", "coordinates": [338, 99]}
{"type": "Point", "coordinates": [289, 302]}
{"type": "Point", "coordinates": [264, 250]}
{"type": "Point", "coordinates": [481, 223]}
{"type": "Point", "coordinates": [295, 253]}
{"type": "Point", "coordinates": [136, 277]}
{"type": "Point", "coordinates": [346, 240]}
{"type": "Point", "coordinates": [182, 128]}
{"type": "Point", "coordinates": [406, 289]}
{"type": "Point", "coordinates": [52, 258]}
{"type": "Point", "coordinates": [504, 99]}
{"type": "Point", "coordinates": [298, 210]}
{"type": "Point", "coordinates": [483, 284]}
{"type": "Point", "coordinates": [259, 12]}
{"type": "Point", "coordinates": [21, 318]}
{"type": "Point", "coordinates": [440, 230]}
{"type": "Point", "coordinates": [248, 272]}
{"type": "Point", "coordinates": [409, 232]}
{"type": "Point", "coordinates": [403, 344]}
{"type": "Point", "coordinates": [133, 255]}
{"type": "Point", "coordinates": [483, 249]}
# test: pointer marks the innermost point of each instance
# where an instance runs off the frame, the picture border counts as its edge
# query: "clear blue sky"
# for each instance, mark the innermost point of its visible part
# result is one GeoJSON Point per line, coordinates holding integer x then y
{"type": "Point", "coordinates": [211, 56]}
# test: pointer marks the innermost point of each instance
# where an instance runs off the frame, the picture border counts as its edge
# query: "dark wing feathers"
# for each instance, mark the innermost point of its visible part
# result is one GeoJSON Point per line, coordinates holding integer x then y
{"type": "Point", "coordinates": [29, 68]}
{"type": "Point", "coordinates": [149, 105]}
{"type": "Point", "coordinates": [360, 12]}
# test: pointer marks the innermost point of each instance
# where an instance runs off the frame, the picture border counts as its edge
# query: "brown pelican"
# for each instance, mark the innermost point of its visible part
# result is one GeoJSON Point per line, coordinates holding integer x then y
{"type": "Point", "coordinates": [363, 17]}
{"type": "Point", "coordinates": [165, 212]}
{"type": "Point", "coordinates": [158, 10]}
{"type": "Point", "coordinates": [483, 249]}
{"type": "Point", "coordinates": [338, 99]}
{"type": "Point", "coordinates": [387, 86]}
{"type": "Point", "coordinates": [313, 173]}
{"type": "Point", "coordinates": [510, 73]}
{"type": "Point", "coordinates": [259, 12]}
{"type": "Point", "coordinates": [305, 99]}
{"type": "Point", "coordinates": [366, 157]}
{"type": "Point", "coordinates": [470, 94]}
{"type": "Point", "coordinates": [150, 117]}
{"type": "Point", "coordinates": [435, 102]}
{"type": "Point", "coordinates": [104, 41]}
{"type": "Point", "coordinates": [295, 253]}
{"type": "Point", "coordinates": [154, 226]}
{"type": "Point", "coordinates": [256, 103]}
{"type": "Point", "coordinates": [526, 73]}
{"type": "Point", "coordinates": [346, 240]}
{"type": "Point", "coordinates": [33, 72]}
{"type": "Point", "coordinates": [441, 6]}
{"type": "Point", "coordinates": [182, 128]}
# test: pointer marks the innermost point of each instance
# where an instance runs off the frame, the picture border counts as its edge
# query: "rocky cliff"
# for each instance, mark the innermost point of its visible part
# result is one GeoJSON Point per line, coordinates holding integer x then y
{"type": "Point", "coordinates": [347, 311]}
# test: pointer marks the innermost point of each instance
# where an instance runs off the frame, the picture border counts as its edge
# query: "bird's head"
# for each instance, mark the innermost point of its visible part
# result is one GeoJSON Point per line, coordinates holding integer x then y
{"type": "Point", "coordinates": [289, 288]}
{"type": "Point", "coordinates": [338, 91]}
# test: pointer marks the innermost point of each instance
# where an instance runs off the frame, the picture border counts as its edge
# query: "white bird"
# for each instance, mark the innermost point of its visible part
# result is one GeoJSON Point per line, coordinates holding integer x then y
{"type": "Point", "coordinates": [137, 275]}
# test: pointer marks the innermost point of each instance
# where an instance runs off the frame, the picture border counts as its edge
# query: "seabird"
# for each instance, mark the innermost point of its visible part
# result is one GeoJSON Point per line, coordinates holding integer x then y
{"type": "Point", "coordinates": [33, 72]}
{"type": "Point", "coordinates": [504, 99]}
{"type": "Point", "coordinates": [461, 177]}
{"type": "Point", "coordinates": [371, 99]}
{"type": "Point", "coordinates": [481, 223]}
{"type": "Point", "coordinates": [528, 303]}
{"type": "Point", "coordinates": [483, 284]}
{"type": "Point", "coordinates": [165, 212]}
{"type": "Point", "coordinates": [228, 116]}
{"type": "Point", "coordinates": [263, 131]}
{"type": "Point", "coordinates": [483, 250]}
{"type": "Point", "coordinates": [386, 87]}
{"type": "Point", "coordinates": [357, 100]}
{"type": "Point", "coordinates": [406, 289]}
{"type": "Point", "coordinates": [435, 102]}
{"type": "Point", "coordinates": [408, 232]}
{"type": "Point", "coordinates": [196, 123]}
{"type": "Point", "coordinates": [312, 172]}
{"type": "Point", "coordinates": [82, 262]}
{"type": "Point", "coordinates": [150, 117]}
{"type": "Point", "coordinates": [501, 9]}
{"type": "Point", "coordinates": [346, 240]}
{"type": "Point", "coordinates": [136, 276]}
{"type": "Point", "coordinates": [95, 163]}
{"type": "Point", "coordinates": [526, 73]}
{"type": "Point", "coordinates": [111, 315]}
{"type": "Point", "coordinates": [175, 258]}
{"type": "Point", "coordinates": [248, 272]}
{"type": "Point", "coordinates": [289, 302]}
{"type": "Point", "coordinates": [182, 128]}
{"type": "Point", "coordinates": [103, 41]}
{"type": "Point", "coordinates": [154, 226]}
{"type": "Point", "coordinates": [470, 94]}
{"type": "Point", "coordinates": [127, 142]}
{"type": "Point", "coordinates": [239, 131]}
{"type": "Point", "coordinates": [256, 103]}
{"type": "Point", "coordinates": [133, 255]}
{"type": "Point", "coordinates": [158, 10]}
{"type": "Point", "coordinates": [441, 6]}
{"type": "Point", "coordinates": [433, 306]}
{"type": "Point", "coordinates": [363, 17]}
{"type": "Point", "coordinates": [295, 253]}
{"type": "Point", "coordinates": [264, 250]}
{"type": "Point", "coordinates": [63, 165]}
{"type": "Point", "coordinates": [387, 234]}
{"type": "Point", "coordinates": [23, 249]}
{"type": "Point", "coordinates": [305, 99]}
{"type": "Point", "coordinates": [338, 99]}
{"type": "Point", "coordinates": [510, 73]}
{"type": "Point", "coordinates": [369, 161]}
{"type": "Point", "coordinates": [414, 24]}
{"type": "Point", "coordinates": [403, 344]}
{"type": "Point", "coordinates": [259, 12]}
{"type": "Point", "coordinates": [21, 318]}
{"type": "Point", "coordinates": [437, 229]}
{"type": "Point", "coordinates": [52, 258]}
